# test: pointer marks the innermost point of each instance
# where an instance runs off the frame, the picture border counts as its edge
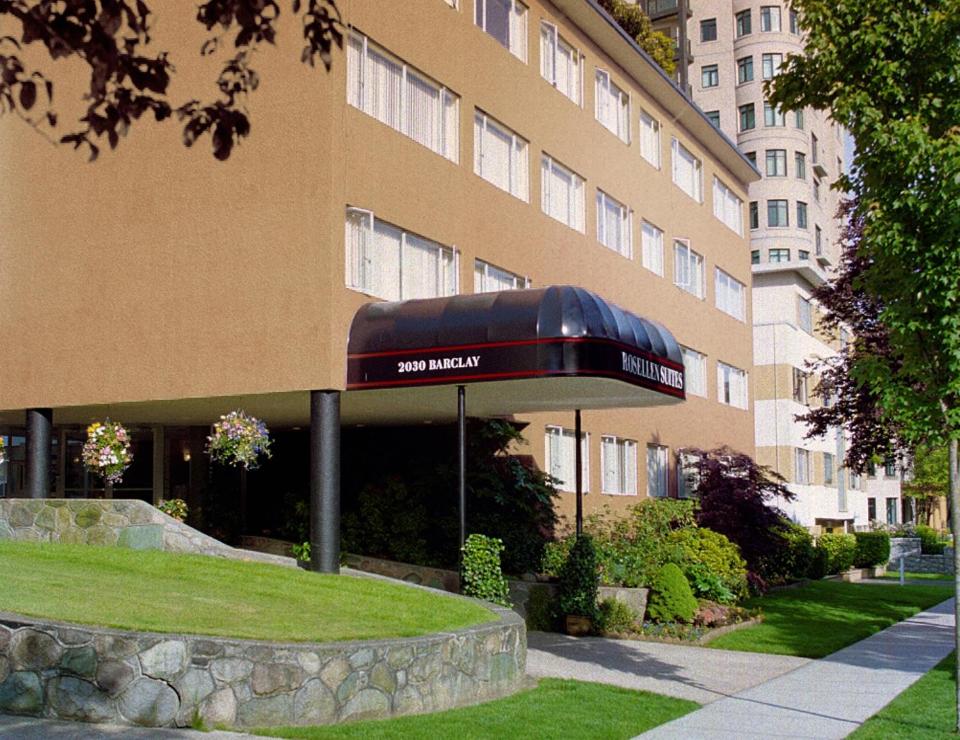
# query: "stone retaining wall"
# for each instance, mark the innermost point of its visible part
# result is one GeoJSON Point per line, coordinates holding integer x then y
{"type": "Point", "coordinates": [93, 674]}
{"type": "Point", "coordinates": [125, 522]}
{"type": "Point", "coordinates": [914, 561]}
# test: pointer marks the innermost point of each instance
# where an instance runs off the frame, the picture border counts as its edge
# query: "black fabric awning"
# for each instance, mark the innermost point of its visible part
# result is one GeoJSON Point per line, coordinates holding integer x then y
{"type": "Point", "coordinates": [549, 348]}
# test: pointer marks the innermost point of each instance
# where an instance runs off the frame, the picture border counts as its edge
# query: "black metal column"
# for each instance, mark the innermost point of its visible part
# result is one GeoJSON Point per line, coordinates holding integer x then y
{"type": "Point", "coordinates": [39, 432]}
{"type": "Point", "coordinates": [325, 481]}
{"type": "Point", "coordinates": [578, 474]}
{"type": "Point", "coordinates": [462, 459]}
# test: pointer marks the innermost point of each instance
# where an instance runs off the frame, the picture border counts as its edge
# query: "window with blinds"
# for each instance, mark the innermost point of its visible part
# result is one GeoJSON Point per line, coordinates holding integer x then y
{"type": "Point", "coordinates": [614, 225]}
{"type": "Point", "coordinates": [500, 156]}
{"type": "Point", "coordinates": [562, 193]}
{"type": "Point", "coordinates": [390, 263]}
{"type": "Point", "coordinates": [688, 474]}
{"type": "Point", "coordinates": [731, 386]}
{"type": "Point", "coordinates": [652, 238]}
{"type": "Point", "coordinates": [650, 139]}
{"type": "Point", "coordinates": [688, 269]}
{"type": "Point", "coordinates": [561, 457]}
{"type": "Point", "coordinates": [687, 171]}
{"type": "Point", "coordinates": [657, 471]}
{"type": "Point", "coordinates": [560, 63]}
{"type": "Point", "coordinates": [727, 206]}
{"type": "Point", "coordinates": [489, 279]}
{"type": "Point", "coordinates": [401, 97]}
{"type": "Point", "coordinates": [730, 295]}
{"type": "Point", "coordinates": [618, 459]}
{"type": "Point", "coordinates": [506, 21]}
{"type": "Point", "coordinates": [612, 107]}
{"type": "Point", "coordinates": [695, 372]}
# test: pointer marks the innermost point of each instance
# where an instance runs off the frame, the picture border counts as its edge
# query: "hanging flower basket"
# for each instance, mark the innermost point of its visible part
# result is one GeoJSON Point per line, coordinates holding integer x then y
{"type": "Point", "coordinates": [3, 452]}
{"type": "Point", "coordinates": [107, 450]}
{"type": "Point", "coordinates": [239, 440]}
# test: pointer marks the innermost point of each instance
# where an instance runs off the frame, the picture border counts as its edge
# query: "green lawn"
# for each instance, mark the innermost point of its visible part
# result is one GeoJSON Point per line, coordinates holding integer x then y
{"type": "Point", "coordinates": [165, 592]}
{"type": "Point", "coordinates": [821, 617]}
{"type": "Point", "coordinates": [894, 575]}
{"type": "Point", "coordinates": [554, 709]}
{"type": "Point", "coordinates": [925, 711]}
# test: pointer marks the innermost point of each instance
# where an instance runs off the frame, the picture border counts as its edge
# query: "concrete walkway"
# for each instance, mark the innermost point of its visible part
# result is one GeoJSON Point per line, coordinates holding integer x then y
{"type": "Point", "coordinates": [31, 728]}
{"type": "Point", "coordinates": [683, 671]}
{"type": "Point", "coordinates": [827, 698]}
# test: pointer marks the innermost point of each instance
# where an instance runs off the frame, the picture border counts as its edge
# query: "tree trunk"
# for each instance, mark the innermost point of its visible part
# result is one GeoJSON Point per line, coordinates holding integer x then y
{"type": "Point", "coordinates": [955, 529]}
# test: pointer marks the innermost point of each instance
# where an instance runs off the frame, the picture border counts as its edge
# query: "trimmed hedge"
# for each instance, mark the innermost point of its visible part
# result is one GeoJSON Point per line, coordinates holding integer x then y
{"type": "Point", "coordinates": [838, 552]}
{"type": "Point", "coordinates": [930, 542]}
{"type": "Point", "coordinates": [671, 599]}
{"type": "Point", "coordinates": [796, 558]}
{"type": "Point", "coordinates": [579, 580]}
{"type": "Point", "coordinates": [480, 572]}
{"type": "Point", "coordinates": [873, 548]}
{"type": "Point", "coordinates": [712, 564]}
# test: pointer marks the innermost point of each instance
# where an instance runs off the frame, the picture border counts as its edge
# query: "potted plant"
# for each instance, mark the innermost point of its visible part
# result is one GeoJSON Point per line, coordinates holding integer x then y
{"type": "Point", "coordinates": [577, 588]}
{"type": "Point", "coordinates": [106, 452]}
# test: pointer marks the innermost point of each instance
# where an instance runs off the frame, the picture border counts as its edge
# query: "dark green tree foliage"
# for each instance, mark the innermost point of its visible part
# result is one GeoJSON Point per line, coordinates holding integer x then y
{"type": "Point", "coordinates": [130, 78]}
{"type": "Point", "coordinates": [579, 581]}
{"type": "Point", "coordinates": [480, 573]}
{"type": "Point", "coordinates": [792, 561]}
{"type": "Point", "coordinates": [873, 548]}
{"type": "Point", "coordinates": [929, 479]}
{"type": "Point", "coordinates": [671, 599]}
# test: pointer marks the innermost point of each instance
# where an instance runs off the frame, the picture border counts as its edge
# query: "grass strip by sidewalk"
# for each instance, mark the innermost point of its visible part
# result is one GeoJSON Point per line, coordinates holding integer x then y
{"type": "Point", "coordinates": [166, 592]}
{"type": "Point", "coordinates": [821, 617]}
{"type": "Point", "coordinates": [554, 709]}
{"type": "Point", "coordinates": [925, 711]}
{"type": "Point", "coordinates": [895, 576]}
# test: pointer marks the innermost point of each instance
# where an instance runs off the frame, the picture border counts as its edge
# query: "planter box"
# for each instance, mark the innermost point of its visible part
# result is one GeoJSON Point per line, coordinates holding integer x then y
{"type": "Point", "coordinates": [635, 598]}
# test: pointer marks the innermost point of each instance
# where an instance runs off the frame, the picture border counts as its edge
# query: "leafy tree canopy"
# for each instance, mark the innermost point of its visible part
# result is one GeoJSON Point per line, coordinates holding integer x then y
{"type": "Point", "coordinates": [129, 78]}
{"type": "Point", "coordinates": [637, 24]}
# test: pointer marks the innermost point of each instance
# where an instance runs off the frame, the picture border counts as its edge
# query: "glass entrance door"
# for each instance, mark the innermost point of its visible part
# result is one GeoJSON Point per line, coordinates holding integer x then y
{"type": "Point", "coordinates": [13, 473]}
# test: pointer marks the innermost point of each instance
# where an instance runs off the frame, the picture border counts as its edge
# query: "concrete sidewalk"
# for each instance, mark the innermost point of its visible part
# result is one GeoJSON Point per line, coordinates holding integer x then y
{"type": "Point", "coordinates": [31, 728]}
{"type": "Point", "coordinates": [827, 698]}
{"type": "Point", "coordinates": [684, 671]}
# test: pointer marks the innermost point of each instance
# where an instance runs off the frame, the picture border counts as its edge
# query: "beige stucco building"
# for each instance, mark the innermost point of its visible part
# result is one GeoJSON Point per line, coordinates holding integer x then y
{"type": "Point", "coordinates": [451, 149]}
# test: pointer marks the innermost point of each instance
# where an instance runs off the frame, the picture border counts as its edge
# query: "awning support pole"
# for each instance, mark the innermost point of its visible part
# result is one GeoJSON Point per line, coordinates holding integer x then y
{"type": "Point", "coordinates": [578, 474]}
{"type": "Point", "coordinates": [39, 435]}
{"type": "Point", "coordinates": [325, 481]}
{"type": "Point", "coordinates": [462, 459]}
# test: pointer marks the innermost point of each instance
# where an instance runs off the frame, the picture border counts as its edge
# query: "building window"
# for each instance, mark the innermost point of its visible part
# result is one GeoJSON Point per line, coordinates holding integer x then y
{"type": "Point", "coordinates": [687, 269]}
{"type": "Point", "coordinates": [778, 255]}
{"type": "Point", "coordinates": [891, 511]}
{"type": "Point", "coordinates": [752, 156]}
{"type": "Point", "coordinates": [730, 294]}
{"type": "Point", "coordinates": [744, 70]}
{"type": "Point", "coordinates": [391, 263]}
{"type": "Point", "coordinates": [798, 119]}
{"type": "Point", "coordinates": [709, 75]}
{"type": "Point", "coordinates": [657, 471]}
{"type": "Point", "coordinates": [800, 165]}
{"type": "Point", "coordinates": [890, 467]}
{"type": "Point", "coordinates": [731, 386]}
{"type": "Point", "coordinates": [794, 23]}
{"type": "Point", "coordinates": [818, 239]}
{"type": "Point", "coordinates": [744, 23]}
{"type": "Point", "coordinates": [871, 469]}
{"type": "Point", "coordinates": [695, 371]}
{"type": "Point", "coordinates": [872, 509]}
{"type": "Point", "coordinates": [708, 30]}
{"type": "Point", "coordinates": [777, 213]}
{"type": "Point", "coordinates": [652, 248]}
{"type": "Point", "coordinates": [802, 465]}
{"type": "Point", "coordinates": [500, 156]}
{"type": "Point", "coordinates": [490, 279]}
{"type": "Point", "coordinates": [854, 480]}
{"type": "Point", "coordinates": [618, 460]}
{"type": "Point", "coordinates": [687, 172]}
{"type": "Point", "coordinates": [452, 3]}
{"type": "Point", "coordinates": [614, 225]}
{"type": "Point", "coordinates": [562, 193]}
{"type": "Point", "coordinates": [688, 474]}
{"type": "Point", "coordinates": [805, 314]}
{"type": "Point", "coordinates": [506, 21]}
{"type": "Point", "coordinates": [612, 107]}
{"type": "Point", "coordinates": [770, 19]}
{"type": "Point", "coordinates": [776, 162]}
{"type": "Point", "coordinates": [771, 65]}
{"type": "Point", "coordinates": [727, 206]}
{"type": "Point", "coordinates": [560, 63]}
{"type": "Point", "coordinates": [772, 116]}
{"type": "Point", "coordinates": [802, 216]}
{"type": "Point", "coordinates": [650, 139]}
{"type": "Point", "coordinates": [748, 117]}
{"type": "Point", "coordinates": [828, 468]}
{"type": "Point", "coordinates": [755, 256]}
{"type": "Point", "coordinates": [803, 255]}
{"type": "Point", "coordinates": [754, 216]}
{"type": "Point", "coordinates": [561, 457]}
{"type": "Point", "coordinates": [714, 117]}
{"type": "Point", "coordinates": [403, 98]}
{"type": "Point", "coordinates": [800, 386]}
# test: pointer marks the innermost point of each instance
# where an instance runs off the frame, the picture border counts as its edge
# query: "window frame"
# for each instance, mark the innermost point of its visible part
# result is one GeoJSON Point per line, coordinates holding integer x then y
{"type": "Point", "coordinates": [623, 117]}
{"type": "Point", "coordinates": [701, 360]}
{"type": "Point", "coordinates": [725, 387]}
{"type": "Point", "coordinates": [624, 448]}
{"type": "Point", "coordinates": [518, 164]}
{"type": "Point", "coordinates": [743, 23]}
{"type": "Point", "coordinates": [655, 266]}
{"type": "Point", "coordinates": [750, 111]}
{"type": "Point", "coordinates": [558, 41]}
{"type": "Point", "coordinates": [658, 142]}
{"type": "Point", "coordinates": [784, 209]}
{"type": "Point", "coordinates": [730, 295]}
{"type": "Point", "coordinates": [625, 221]}
{"type": "Point", "coordinates": [487, 267]}
{"type": "Point", "coordinates": [704, 24]}
{"type": "Point", "coordinates": [662, 466]}
{"type": "Point", "coordinates": [767, 16]}
{"type": "Point", "coordinates": [745, 70]}
{"type": "Point", "coordinates": [569, 434]}
{"type": "Point", "coordinates": [709, 76]}
{"type": "Point", "coordinates": [676, 148]}
{"type": "Point", "coordinates": [518, 50]}
{"type": "Point", "coordinates": [691, 257]}
{"type": "Point", "coordinates": [579, 184]}
{"type": "Point", "coordinates": [778, 157]}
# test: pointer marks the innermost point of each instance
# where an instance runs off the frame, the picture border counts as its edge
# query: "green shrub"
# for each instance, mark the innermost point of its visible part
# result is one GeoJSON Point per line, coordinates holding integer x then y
{"type": "Point", "coordinates": [577, 591]}
{"type": "Point", "coordinates": [794, 560]}
{"type": "Point", "coordinates": [930, 542]}
{"type": "Point", "coordinates": [711, 563]}
{"type": "Point", "coordinates": [541, 609]}
{"type": "Point", "coordinates": [616, 617]}
{"type": "Point", "coordinates": [671, 599]}
{"type": "Point", "coordinates": [175, 507]}
{"type": "Point", "coordinates": [480, 573]}
{"type": "Point", "coordinates": [839, 551]}
{"type": "Point", "coordinates": [873, 548]}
